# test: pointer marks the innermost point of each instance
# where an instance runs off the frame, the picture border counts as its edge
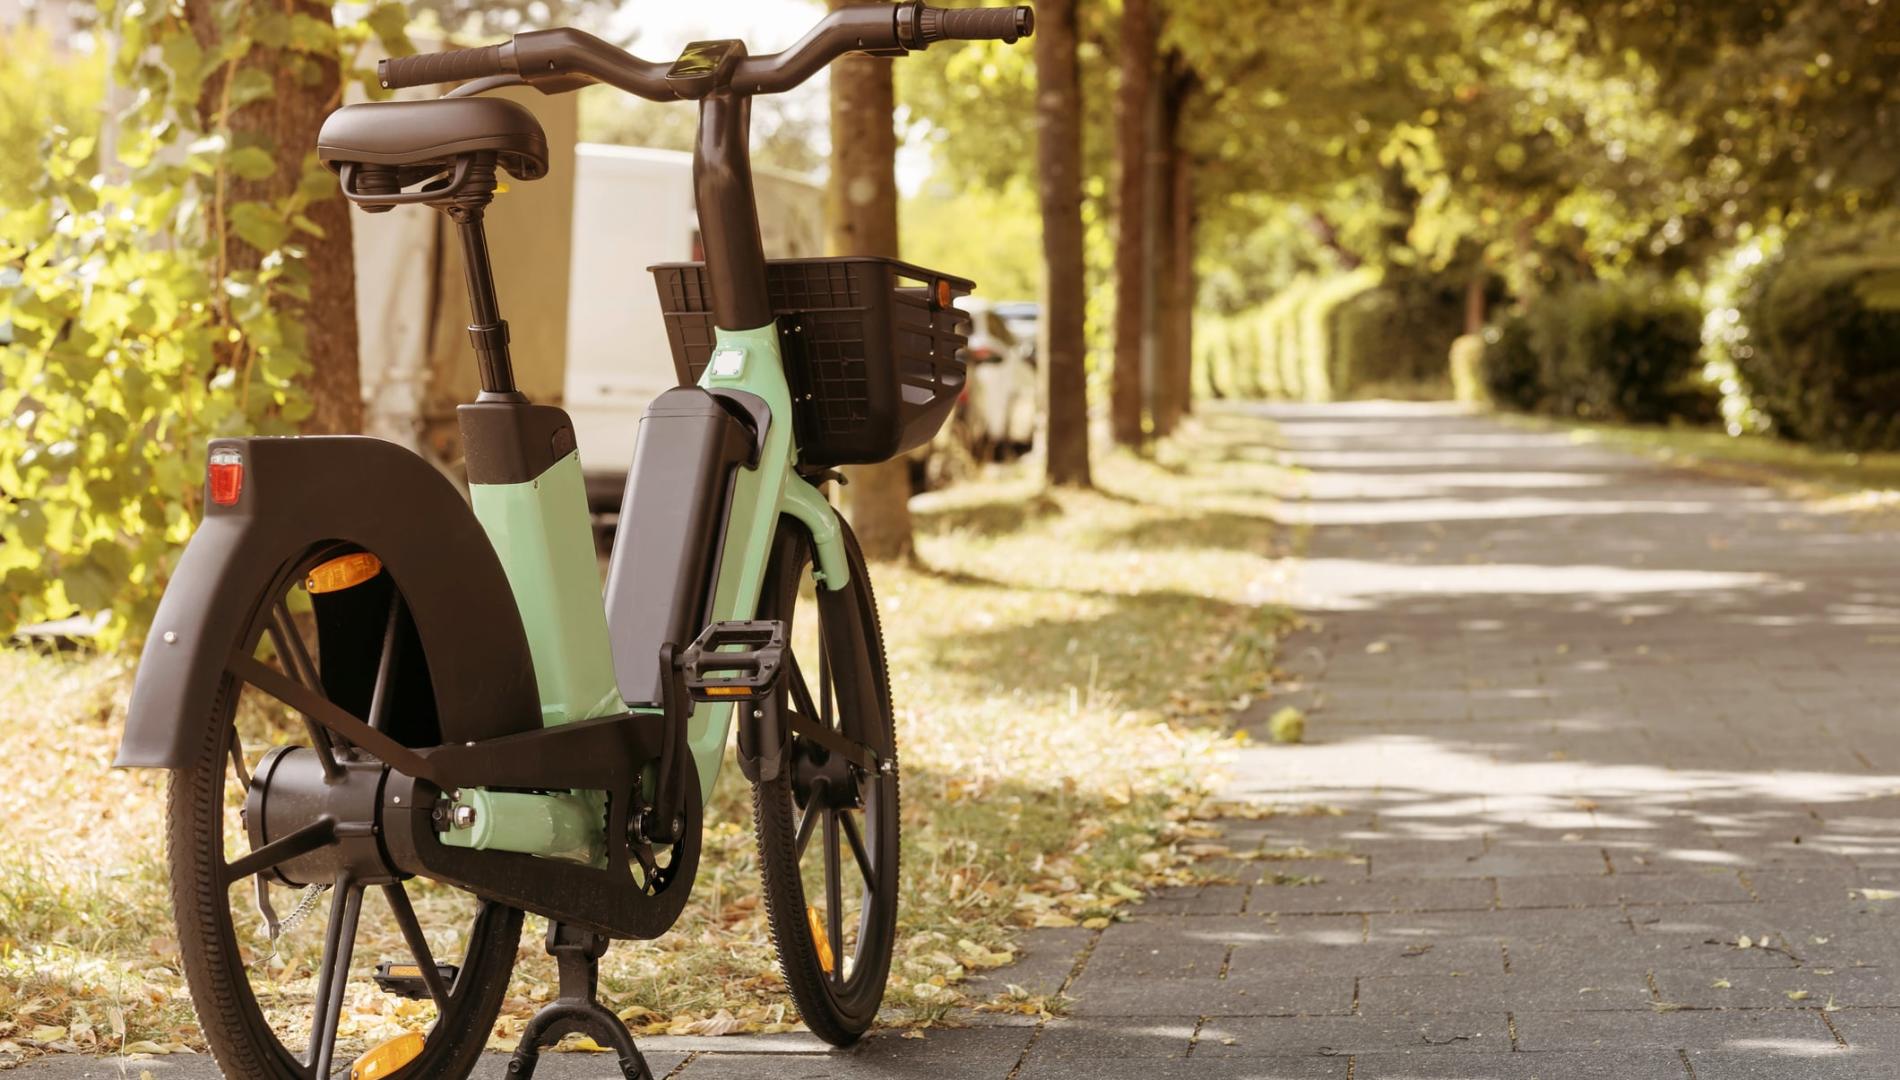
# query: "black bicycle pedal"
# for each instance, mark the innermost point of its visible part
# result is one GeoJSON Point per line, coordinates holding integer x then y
{"type": "Point", "coordinates": [738, 660]}
{"type": "Point", "coordinates": [405, 979]}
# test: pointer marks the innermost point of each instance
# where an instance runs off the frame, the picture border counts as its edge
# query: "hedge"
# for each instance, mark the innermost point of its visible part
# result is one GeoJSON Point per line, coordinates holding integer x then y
{"type": "Point", "coordinates": [1398, 333]}
{"type": "Point", "coordinates": [1623, 351]}
{"type": "Point", "coordinates": [1325, 338]}
{"type": "Point", "coordinates": [1823, 341]}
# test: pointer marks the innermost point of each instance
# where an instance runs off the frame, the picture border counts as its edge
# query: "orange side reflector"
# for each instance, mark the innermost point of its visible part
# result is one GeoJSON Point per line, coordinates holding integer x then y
{"type": "Point", "coordinates": [404, 971]}
{"type": "Point", "coordinates": [343, 572]}
{"type": "Point", "coordinates": [820, 939]}
{"type": "Point", "coordinates": [387, 1058]}
{"type": "Point", "coordinates": [943, 293]}
{"type": "Point", "coordinates": [729, 691]}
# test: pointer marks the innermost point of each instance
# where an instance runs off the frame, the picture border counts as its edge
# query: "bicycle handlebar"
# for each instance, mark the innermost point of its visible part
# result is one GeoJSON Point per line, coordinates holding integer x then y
{"type": "Point", "coordinates": [558, 60]}
{"type": "Point", "coordinates": [1005, 24]}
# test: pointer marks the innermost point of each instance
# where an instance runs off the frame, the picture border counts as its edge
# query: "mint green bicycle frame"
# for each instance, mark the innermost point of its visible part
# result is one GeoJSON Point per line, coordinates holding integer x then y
{"type": "Point", "coordinates": [543, 534]}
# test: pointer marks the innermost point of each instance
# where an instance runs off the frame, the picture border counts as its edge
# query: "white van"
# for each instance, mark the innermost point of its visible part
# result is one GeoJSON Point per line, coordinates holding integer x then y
{"type": "Point", "coordinates": [633, 207]}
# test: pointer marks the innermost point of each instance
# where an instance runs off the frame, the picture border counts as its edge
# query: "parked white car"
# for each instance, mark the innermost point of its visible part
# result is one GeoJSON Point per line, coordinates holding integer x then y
{"type": "Point", "coordinates": [999, 411]}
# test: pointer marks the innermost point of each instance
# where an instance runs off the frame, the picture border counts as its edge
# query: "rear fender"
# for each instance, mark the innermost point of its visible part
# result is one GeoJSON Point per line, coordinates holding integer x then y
{"type": "Point", "coordinates": [301, 494]}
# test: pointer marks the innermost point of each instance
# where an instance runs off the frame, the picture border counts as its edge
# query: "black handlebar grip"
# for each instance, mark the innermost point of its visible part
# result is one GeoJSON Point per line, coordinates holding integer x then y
{"type": "Point", "coordinates": [456, 65]}
{"type": "Point", "coordinates": [975, 24]}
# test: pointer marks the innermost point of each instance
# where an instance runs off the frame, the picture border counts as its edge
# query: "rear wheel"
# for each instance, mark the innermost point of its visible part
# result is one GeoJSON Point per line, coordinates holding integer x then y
{"type": "Point", "coordinates": [828, 829]}
{"type": "Point", "coordinates": [283, 996]}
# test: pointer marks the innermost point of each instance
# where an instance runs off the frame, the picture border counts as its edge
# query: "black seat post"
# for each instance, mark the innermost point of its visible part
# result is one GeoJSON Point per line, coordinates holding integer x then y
{"type": "Point", "coordinates": [487, 330]}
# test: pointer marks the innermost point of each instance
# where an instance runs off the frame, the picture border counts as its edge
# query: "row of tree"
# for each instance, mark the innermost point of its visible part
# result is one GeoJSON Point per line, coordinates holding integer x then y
{"type": "Point", "coordinates": [1189, 155]}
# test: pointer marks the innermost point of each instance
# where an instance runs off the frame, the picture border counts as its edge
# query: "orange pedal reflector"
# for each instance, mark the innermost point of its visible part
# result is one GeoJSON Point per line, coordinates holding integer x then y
{"type": "Point", "coordinates": [728, 691]}
{"type": "Point", "coordinates": [820, 939]}
{"type": "Point", "coordinates": [343, 572]}
{"type": "Point", "coordinates": [384, 1060]}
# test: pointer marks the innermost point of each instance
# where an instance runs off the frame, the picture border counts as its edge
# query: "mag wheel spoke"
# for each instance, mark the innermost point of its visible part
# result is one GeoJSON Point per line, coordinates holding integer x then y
{"type": "Point", "coordinates": [825, 715]}
{"type": "Point", "coordinates": [333, 974]}
{"type": "Point", "coordinates": [405, 914]}
{"type": "Point", "coordinates": [805, 822]}
{"type": "Point", "coordinates": [863, 857]}
{"type": "Point", "coordinates": [317, 834]}
{"type": "Point", "coordinates": [296, 660]}
{"type": "Point", "coordinates": [801, 693]}
{"type": "Point", "coordinates": [238, 766]}
{"type": "Point", "coordinates": [834, 895]}
{"type": "Point", "coordinates": [386, 663]}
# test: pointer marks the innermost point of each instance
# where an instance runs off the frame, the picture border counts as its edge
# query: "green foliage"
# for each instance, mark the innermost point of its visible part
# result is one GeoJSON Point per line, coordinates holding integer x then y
{"type": "Point", "coordinates": [1510, 370]}
{"type": "Point", "coordinates": [988, 234]}
{"type": "Point", "coordinates": [132, 342]}
{"type": "Point", "coordinates": [494, 17]}
{"type": "Point", "coordinates": [1330, 337]}
{"type": "Point", "coordinates": [42, 92]}
{"type": "Point", "coordinates": [1467, 370]}
{"type": "Point", "coordinates": [1398, 333]}
{"type": "Point", "coordinates": [1624, 351]}
{"type": "Point", "coordinates": [1821, 326]}
{"type": "Point", "coordinates": [1786, 105]}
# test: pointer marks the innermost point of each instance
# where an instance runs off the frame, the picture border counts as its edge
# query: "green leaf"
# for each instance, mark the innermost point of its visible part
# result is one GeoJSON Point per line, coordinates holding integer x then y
{"type": "Point", "coordinates": [251, 84]}
{"type": "Point", "coordinates": [390, 22]}
{"type": "Point", "coordinates": [259, 226]}
{"type": "Point", "coordinates": [271, 29]}
{"type": "Point", "coordinates": [252, 163]}
{"type": "Point", "coordinates": [312, 35]}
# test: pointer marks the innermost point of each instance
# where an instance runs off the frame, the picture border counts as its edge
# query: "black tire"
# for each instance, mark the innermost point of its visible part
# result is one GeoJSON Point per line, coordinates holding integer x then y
{"type": "Point", "coordinates": [839, 1005]}
{"type": "Point", "coordinates": [224, 989]}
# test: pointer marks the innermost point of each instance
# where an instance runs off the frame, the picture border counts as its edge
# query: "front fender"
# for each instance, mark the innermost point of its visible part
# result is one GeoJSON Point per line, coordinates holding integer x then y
{"type": "Point", "coordinates": [304, 491]}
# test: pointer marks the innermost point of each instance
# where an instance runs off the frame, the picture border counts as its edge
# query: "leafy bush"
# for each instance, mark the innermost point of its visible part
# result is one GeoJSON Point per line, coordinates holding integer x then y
{"type": "Point", "coordinates": [1510, 370]}
{"type": "Point", "coordinates": [1823, 341]}
{"type": "Point", "coordinates": [1400, 332]}
{"type": "Point", "coordinates": [1628, 351]}
{"type": "Point", "coordinates": [1324, 370]}
{"type": "Point", "coordinates": [1467, 370]}
{"type": "Point", "coordinates": [129, 340]}
{"type": "Point", "coordinates": [42, 90]}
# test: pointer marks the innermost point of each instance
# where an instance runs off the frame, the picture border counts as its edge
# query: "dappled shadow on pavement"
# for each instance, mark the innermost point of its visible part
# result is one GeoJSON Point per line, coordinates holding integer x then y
{"type": "Point", "coordinates": [1602, 780]}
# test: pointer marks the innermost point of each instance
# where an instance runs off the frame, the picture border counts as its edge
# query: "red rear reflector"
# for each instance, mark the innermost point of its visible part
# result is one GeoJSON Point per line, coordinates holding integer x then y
{"type": "Point", "coordinates": [226, 473]}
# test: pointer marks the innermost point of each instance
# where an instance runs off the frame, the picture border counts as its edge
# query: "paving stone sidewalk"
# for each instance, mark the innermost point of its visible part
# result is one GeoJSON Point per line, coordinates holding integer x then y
{"type": "Point", "coordinates": [1602, 767]}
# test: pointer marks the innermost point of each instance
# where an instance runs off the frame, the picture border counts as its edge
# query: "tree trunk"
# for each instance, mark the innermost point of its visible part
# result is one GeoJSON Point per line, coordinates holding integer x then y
{"type": "Point", "coordinates": [1475, 307]}
{"type": "Point", "coordinates": [1172, 384]}
{"type": "Point", "coordinates": [1174, 381]}
{"type": "Point", "coordinates": [306, 87]}
{"type": "Point", "coordinates": [862, 211]}
{"type": "Point", "coordinates": [1131, 152]}
{"type": "Point", "coordinates": [1063, 347]}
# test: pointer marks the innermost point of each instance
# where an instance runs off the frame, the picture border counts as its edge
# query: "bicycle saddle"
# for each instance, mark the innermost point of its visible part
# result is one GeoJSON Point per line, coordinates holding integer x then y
{"type": "Point", "coordinates": [436, 131]}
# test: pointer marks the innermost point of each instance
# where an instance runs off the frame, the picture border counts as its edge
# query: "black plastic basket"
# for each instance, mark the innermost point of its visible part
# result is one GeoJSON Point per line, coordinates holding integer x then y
{"type": "Point", "coordinates": [875, 364]}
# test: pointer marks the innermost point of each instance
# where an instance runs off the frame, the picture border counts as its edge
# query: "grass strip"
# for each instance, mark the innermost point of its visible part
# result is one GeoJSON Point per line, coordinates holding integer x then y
{"type": "Point", "coordinates": [1063, 664]}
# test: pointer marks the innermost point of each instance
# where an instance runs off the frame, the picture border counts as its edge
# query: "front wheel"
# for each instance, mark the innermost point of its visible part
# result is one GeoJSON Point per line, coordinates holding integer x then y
{"type": "Point", "coordinates": [832, 903]}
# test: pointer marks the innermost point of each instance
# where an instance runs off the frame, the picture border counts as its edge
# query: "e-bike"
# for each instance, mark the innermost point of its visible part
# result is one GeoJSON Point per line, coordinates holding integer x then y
{"type": "Point", "coordinates": [474, 730]}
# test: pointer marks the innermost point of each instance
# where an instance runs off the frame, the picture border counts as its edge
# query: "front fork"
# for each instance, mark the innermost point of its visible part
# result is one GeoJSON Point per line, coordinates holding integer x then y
{"type": "Point", "coordinates": [544, 536]}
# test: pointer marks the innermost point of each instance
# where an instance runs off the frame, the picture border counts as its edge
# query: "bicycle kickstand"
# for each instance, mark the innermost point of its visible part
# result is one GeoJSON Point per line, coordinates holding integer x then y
{"type": "Point", "coordinates": [577, 954]}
